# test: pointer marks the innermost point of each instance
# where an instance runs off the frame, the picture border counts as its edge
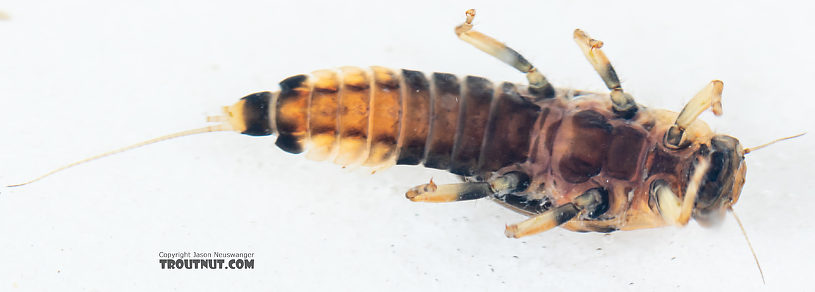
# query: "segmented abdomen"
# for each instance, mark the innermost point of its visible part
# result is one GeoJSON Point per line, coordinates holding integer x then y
{"type": "Point", "coordinates": [380, 117]}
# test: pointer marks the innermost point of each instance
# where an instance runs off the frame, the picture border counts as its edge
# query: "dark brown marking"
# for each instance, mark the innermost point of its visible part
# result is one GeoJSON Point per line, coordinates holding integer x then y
{"type": "Point", "coordinates": [522, 202]}
{"type": "Point", "coordinates": [509, 130]}
{"type": "Point", "coordinates": [325, 90]}
{"type": "Point", "coordinates": [474, 190]}
{"type": "Point", "coordinates": [322, 130]}
{"type": "Point", "coordinates": [289, 143]}
{"type": "Point", "coordinates": [590, 119]}
{"type": "Point", "coordinates": [543, 93]}
{"type": "Point", "coordinates": [445, 101]}
{"type": "Point", "coordinates": [521, 181]}
{"type": "Point", "coordinates": [662, 161]}
{"type": "Point", "coordinates": [416, 117]}
{"type": "Point", "coordinates": [623, 158]}
{"type": "Point", "coordinates": [610, 77]}
{"type": "Point", "coordinates": [472, 122]}
{"type": "Point", "coordinates": [629, 112]}
{"type": "Point", "coordinates": [565, 212]}
{"type": "Point", "coordinates": [256, 114]}
{"type": "Point", "coordinates": [588, 148]}
{"type": "Point", "coordinates": [355, 133]}
{"type": "Point", "coordinates": [384, 140]}
{"type": "Point", "coordinates": [648, 125]}
{"type": "Point", "coordinates": [600, 205]}
{"type": "Point", "coordinates": [601, 229]}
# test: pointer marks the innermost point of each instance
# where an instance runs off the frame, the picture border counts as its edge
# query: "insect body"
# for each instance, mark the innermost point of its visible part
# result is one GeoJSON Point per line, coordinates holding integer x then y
{"type": "Point", "coordinates": [585, 161]}
{"type": "Point", "coordinates": [531, 155]}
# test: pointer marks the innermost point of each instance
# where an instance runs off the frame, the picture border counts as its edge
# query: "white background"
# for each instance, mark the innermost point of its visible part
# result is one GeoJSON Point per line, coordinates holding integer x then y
{"type": "Point", "coordinates": [82, 77]}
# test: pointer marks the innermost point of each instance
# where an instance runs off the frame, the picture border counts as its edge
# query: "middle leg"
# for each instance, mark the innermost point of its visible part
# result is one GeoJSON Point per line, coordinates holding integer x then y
{"type": "Point", "coordinates": [623, 103]}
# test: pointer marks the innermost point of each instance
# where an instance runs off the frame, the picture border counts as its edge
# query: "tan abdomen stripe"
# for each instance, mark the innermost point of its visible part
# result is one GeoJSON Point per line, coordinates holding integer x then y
{"type": "Point", "coordinates": [323, 115]}
{"type": "Point", "coordinates": [385, 119]}
{"type": "Point", "coordinates": [354, 102]}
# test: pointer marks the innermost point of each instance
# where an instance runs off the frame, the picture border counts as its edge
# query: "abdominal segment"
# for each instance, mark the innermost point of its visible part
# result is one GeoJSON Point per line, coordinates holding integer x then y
{"type": "Point", "coordinates": [378, 117]}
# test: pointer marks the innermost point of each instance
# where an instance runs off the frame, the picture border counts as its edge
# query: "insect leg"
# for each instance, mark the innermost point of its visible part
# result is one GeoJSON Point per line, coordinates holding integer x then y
{"type": "Point", "coordinates": [433, 193]}
{"type": "Point", "coordinates": [594, 202]}
{"type": "Point", "coordinates": [708, 97]}
{"type": "Point", "coordinates": [500, 185]}
{"type": "Point", "coordinates": [672, 209]}
{"type": "Point", "coordinates": [538, 84]}
{"type": "Point", "coordinates": [623, 103]}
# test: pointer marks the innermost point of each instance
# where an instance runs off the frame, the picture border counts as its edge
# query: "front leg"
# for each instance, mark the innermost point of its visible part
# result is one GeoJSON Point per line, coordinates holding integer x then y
{"type": "Point", "coordinates": [673, 210]}
{"type": "Point", "coordinates": [709, 97]}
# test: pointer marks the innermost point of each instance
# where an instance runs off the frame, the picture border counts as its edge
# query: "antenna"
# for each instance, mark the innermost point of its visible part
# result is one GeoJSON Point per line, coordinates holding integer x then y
{"type": "Point", "coordinates": [748, 150]}
{"type": "Point", "coordinates": [755, 257]}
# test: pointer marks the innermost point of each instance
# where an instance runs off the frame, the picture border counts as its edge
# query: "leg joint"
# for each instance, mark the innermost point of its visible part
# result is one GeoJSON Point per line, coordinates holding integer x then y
{"type": "Point", "coordinates": [594, 202]}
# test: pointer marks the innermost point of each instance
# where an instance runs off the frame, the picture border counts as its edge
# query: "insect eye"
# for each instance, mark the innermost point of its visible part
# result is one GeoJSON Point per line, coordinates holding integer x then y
{"type": "Point", "coordinates": [717, 183]}
{"type": "Point", "coordinates": [712, 183]}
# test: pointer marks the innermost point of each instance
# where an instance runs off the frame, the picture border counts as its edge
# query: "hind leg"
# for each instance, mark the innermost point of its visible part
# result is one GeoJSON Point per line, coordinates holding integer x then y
{"type": "Point", "coordinates": [538, 84]}
{"type": "Point", "coordinates": [433, 193]}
